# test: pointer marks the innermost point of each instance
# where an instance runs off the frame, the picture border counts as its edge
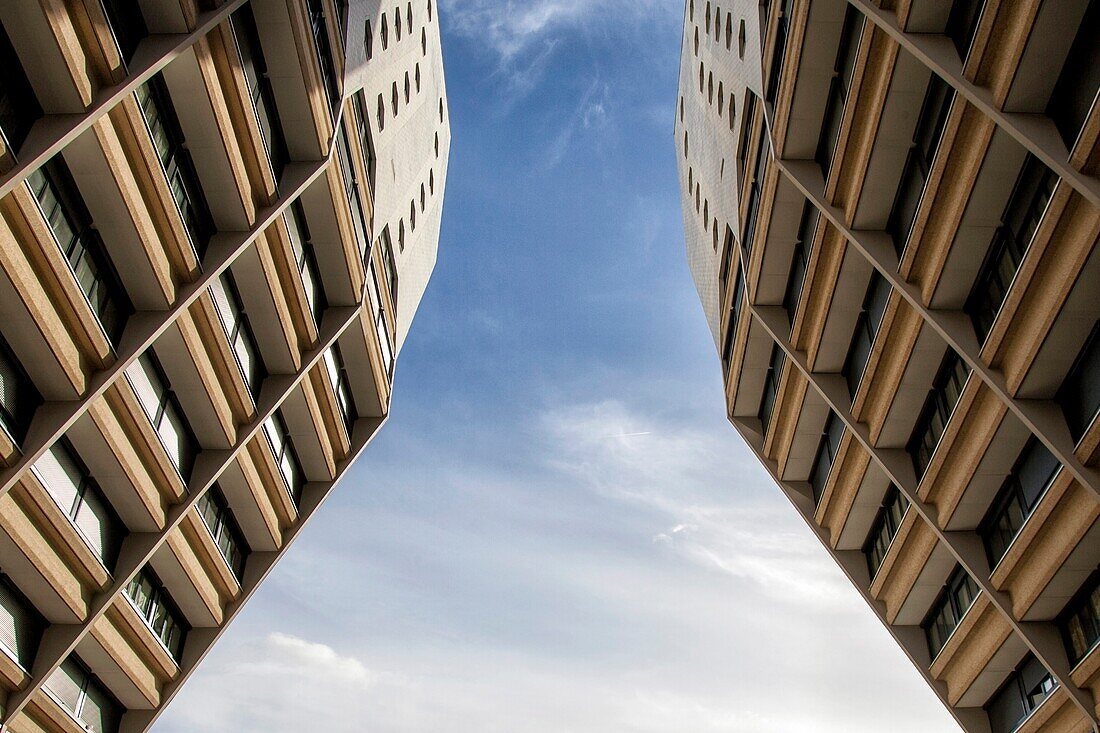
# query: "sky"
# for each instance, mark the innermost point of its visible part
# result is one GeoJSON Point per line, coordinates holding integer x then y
{"type": "Point", "coordinates": [557, 531]}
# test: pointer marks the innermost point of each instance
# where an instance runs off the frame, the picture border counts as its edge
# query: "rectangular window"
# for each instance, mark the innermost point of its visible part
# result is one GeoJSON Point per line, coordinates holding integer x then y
{"type": "Point", "coordinates": [251, 52]}
{"type": "Point", "coordinates": [1080, 621]}
{"type": "Point", "coordinates": [763, 151]}
{"type": "Point", "coordinates": [323, 46]}
{"type": "Point", "coordinates": [286, 458]}
{"type": "Point", "coordinates": [1019, 495]}
{"type": "Point", "coordinates": [918, 163]}
{"type": "Point", "coordinates": [884, 529]}
{"type": "Point", "coordinates": [734, 318]}
{"type": "Point", "coordinates": [800, 259]}
{"type": "Point", "coordinates": [366, 138]}
{"type": "Point", "coordinates": [152, 601]}
{"type": "Point", "coordinates": [341, 385]}
{"type": "Point", "coordinates": [70, 484]}
{"type": "Point", "coordinates": [84, 697]}
{"type": "Point", "coordinates": [164, 412]}
{"type": "Point", "coordinates": [19, 398]}
{"type": "Point", "coordinates": [175, 159]}
{"type": "Point", "coordinates": [771, 386]}
{"type": "Point", "coordinates": [19, 106]}
{"type": "Point", "coordinates": [381, 325]}
{"type": "Point", "coordinates": [867, 327]}
{"type": "Point", "coordinates": [839, 87]}
{"type": "Point", "coordinates": [962, 23]}
{"type": "Point", "coordinates": [223, 527]}
{"type": "Point", "coordinates": [63, 208]}
{"type": "Point", "coordinates": [389, 267]}
{"type": "Point", "coordinates": [1021, 218]}
{"type": "Point", "coordinates": [127, 23]}
{"type": "Point", "coordinates": [779, 51]}
{"type": "Point", "coordinates": [238, 330]}
{"type": "Point", "coordinates": [954, 601]}
{"type": "Point", "coordinates": [352, 190]}
{"type": "Point", "coordinates": [746, 131]}
{"type": "Point", "coordinates": [21, 626]}
{"type": "Point", "coordinates": [1079, 394]}
{"type": "Point", "coordinates": [827, 450]}
{"type": "Point", "coordinates": [946, 389]}
{"type": "Point", "coordinates": [1075, 91]}
{"type": "Point", "coordinates": [305, 260]}
{"type": "Point", "coordinates": [1024, 691]}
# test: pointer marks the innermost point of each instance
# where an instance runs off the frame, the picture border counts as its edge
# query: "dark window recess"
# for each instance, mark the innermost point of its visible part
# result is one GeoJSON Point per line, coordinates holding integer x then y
{"type": "Point", "coordinates": [1080, 78]}
{"type": "Point", "coordinates": [800, 260]}
{"type": "Point", "coordinates": [946, 389]}
{"type": "Point", "coordinates": [884, 529]}
{"type": "Point", "coordinates": [19, 398]}
{"type": "Point", "coordinates": [1080, 621]}
{"type": "Point", "coordinates": [388, 265]}
{"type": "Point", "coordinates": [223, 527]}
{"type": "Point", "coordinates": [962, 23]}
{"type": "Point", "coordinates": [827, 450]}
{"type": "Point", "coordinates": [259, 88]}
{"type": "Point", "coordinates": [366, 139]}
{"type": "Point", "coordinates": [128, 25]}
{"type": "Point", "coordinates": [69, 482]}
{"type": "Point", "coordinates": [352, 188]}
{"type": "Point", "coordinates": [305, 260]}
{"type": "Point", "coordinates": [179, 168]}
{"type": "Point", "coordinates": [238, 330]}
{"type": "Point", "coordinates": [763, 151]}
{"type": "Point", "coordinates": [381, 324]}
{"type": "Point", "coordinates": [61, 204]}
{"type": "Point", "coordinates": [954, 601]}
{"type": "Point", "coordinates": [152, 601]}
{"type": "Point", "coordinates": [1024, 691]}
{"type": "Point", "coordinates": [867, 328]}
{"type": "Point", "coordinates": [839, 87]}
{"type": "Point", "coordinates": [19, 106]}
{"type": "Point", "coordinates": [727, 261]}
{"type": "Point", "coordinates": [731, 327]}
{"type": "Point", "coordinates": [21, 626]}
{"type": "Point", "coordinates": [771, 387]}
{"type": "Point", "coordinates": [1021, 217]}
{"type": "Point", "coordinates": [779, 51]}
{"type": "Point", "coordinates": [286, 458]}
{"type": "Point", "coordinates": [84, 697]}
{"type": "Point", "coordinates": [164, 412]}
{"type": "Point", "coordinates": [321, 41]}
{"type": "Point", "coordinates": [341, 386]}
{"type": "Point", "coordinates": [747, 116]}
{"type": "Point", "coordinates": [1079, 394]}
{"type": "Point", "coordinates": [918, 164]}
{"type": "Point", "coordinates": [1018, 497]}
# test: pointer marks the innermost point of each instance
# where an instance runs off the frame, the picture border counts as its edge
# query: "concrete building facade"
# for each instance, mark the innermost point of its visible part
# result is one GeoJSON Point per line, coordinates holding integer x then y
{"type": "Point", "coordinates": [891, 213]}
{"type": "Point", "coordinates": [217, 219]}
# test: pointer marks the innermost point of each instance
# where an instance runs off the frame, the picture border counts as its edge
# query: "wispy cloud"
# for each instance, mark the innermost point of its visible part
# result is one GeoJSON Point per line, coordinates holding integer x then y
{"type": "Point", "coordinates": [591, 114]}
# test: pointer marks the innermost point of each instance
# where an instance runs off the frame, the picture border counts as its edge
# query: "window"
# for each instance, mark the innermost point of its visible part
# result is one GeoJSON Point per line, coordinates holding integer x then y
{"type": "Point", "coordinates": [227, 302]}
{"type": "Point", "coordinates": [946, 389]}
{"type": "Point", "coordinates": [1079, 394]}
{"type": "Point", "coordinates": [381, 325]}
{"type": "Point", "coordinates": [1017, 499]}
{"type": "Point", "coordinates": [351, 189]}
{"type": "Point", "coordinates": [756, 188]}
{"type": "Point", "coordinates": [779, 51]}
{"type": "Point", "coordinates": [1021, 218]}
{"type": "Point", "coordinates": [368, 40]}
{"type": "Point", "coordinates": [746, 129]}
{"type": "Point", "coordinates": [127, 23]}
{"type": "Point", "coordinates": [21, 626]}
{"type": "Point", "coordinates": [254, 66]}
{"type": "Point", "coordinates": [734, 317]}
{"type": "Point", "coordinates": [1077, 84]}
{"type": "Point", "coordinates": [867, 327]}
{"type": "Point", "coordinates": [70, 484]}
{"type": "Point", "coordinates": [771, 387]}
{"type": "Point", "coordinates": [85, 698]}
{"type": "Point", "coordinates": [385, 33]}
{"type": "Point", "coordinates": [1080, 621]}
{"type": "Point", "coordinates": [727, 261]}
{"type": "Point", "coordinates": [164, 412]}
{"type": "Point", "coordinates": [286, 458]}
{"type": "Point", "coordinates": [800, 259]}
{"type": "Point", "coordinates": [884, 529]}
{"type": "Point", "coordinates": [223, 527]}
{"type": "Point", "coordinates": [827, 450]}
{"type": "Point", "coordinates": [64, 211]}
{"type": "Point", "coordinates": [341, 385]}
{"type": "Point", "coordinates": [918, 164]}
{"type": "Point", "coordinates": [839, 88]}
{"type": "Point", "coordinates": [962, 23]}
{"type": "Point", "coordinates": [395, 99]}
{"type": "Point", "coordinates": [19, 106]}
{"type": "Point", "coordinates": [429, 11]}
{"type": "Point", "coordinates": [175, 159]}
{"type": "Point", "coordinates": [954, 601]}
{"type": "Point", "coordinates": [321, 42]}
{"type": "Point", "coordinates": [397, 22]}
{"type": "Point", "coordinates": [381, 113]}
{"type": "Point", "coordinates": [408, 88]}
{"type": "Point", "coordinates": [1024, 691]}
{"type": "Point", "coordinates": [388, 265]}
{"type": "Point", "coordinates": [305, 260]}
{"type": "Point", "coordinates": [153, 603]}
{"type": "Point", "coordinates": [18, 396]}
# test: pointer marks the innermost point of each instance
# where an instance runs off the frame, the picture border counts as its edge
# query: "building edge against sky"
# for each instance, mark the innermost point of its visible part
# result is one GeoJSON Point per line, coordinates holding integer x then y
{"type": "Point", "coordinates": [217, 219]}
{"type": "Point", "coordinates": [891, 216]}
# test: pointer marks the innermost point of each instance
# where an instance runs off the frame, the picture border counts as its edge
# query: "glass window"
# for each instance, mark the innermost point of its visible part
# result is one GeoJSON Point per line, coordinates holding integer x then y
{"type": "Point", "coordinates": [839, 87]}
{"type": "Point", "coordinates": [381, 324]}
{"type": "Point", "coordinates": [1017, 499]}
{"type": "Point", "coordinates": [21, 625]}
{"type": "Point", "coordinates": [162, 408]}
{"type": "Point", "coordinates": [1025, 689]}
{"type": "Point", "coordinates": [19, 106]}
{"type": "Point", "coordinates": [352, 191]}
{"type": "Point", "coordinates": [1080, 78]}
{"type": "Point", "coordinates": [223, 527]}
{"type": "Point", "coordinates": [779, 51]}
{"type": "Point", "coordinates": [867, 327]}
{"type": "Point", "coordinates": [827, 451]}
{"type": "Point", "coordinates": [1079, 394]}
{"type": "Point", "coordinates": [84, 697]}
{"type": "Point", "coordinates": [286, 458]}
{"type": "Point", "coordinates": [251, 52]}
{"type": "Point", "coordinates": [238, 330]}
{"type": "Point", "coordinates": [884, 529]}
{"type": "Point", "coordinates": [763, 151]}
{"type": "Point", "coordinates": [1080, 621]}
{"type": "Point", "coordinates": [323, 46]}
{"type": "Point", "coordinates": [18, 396]}
{"type": "Point", "coordinates": [771, 386]}
{"type": "Point", "coordinates": [128, 25]}
{"type": "Point", "coordinates": [151, 600]}
{"type": "Point", "coordinates": [341, 385]}
{"type": "Point", "coordinates": [954, 601]}
{"type": "Point", "coordinates": [305, 260]}
{"type": "Point", "coordinates": [731, 327]}
{"type": "Point", "coordinates": [800, 259]}
{"type": "Point", "coordinates": [962, 23]}
{"type": "Point", "coordinates": [946, 389]}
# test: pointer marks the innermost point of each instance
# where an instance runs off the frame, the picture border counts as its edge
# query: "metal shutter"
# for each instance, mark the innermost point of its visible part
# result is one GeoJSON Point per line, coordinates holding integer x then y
{"type": "Point", "coordinates": [67, 683]}
{"type": "Point", "coordinates": [100, 713]}
{"type": "Point", "coordinates": [61, 475]}
{"type": "Point", "coordinates": [97, 523]}
{"type": "Point", "coordinates": [20, 627]}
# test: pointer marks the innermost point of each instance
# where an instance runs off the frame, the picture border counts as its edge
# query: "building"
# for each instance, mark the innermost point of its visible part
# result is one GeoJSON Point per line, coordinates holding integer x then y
{"type": "Point", "coordinates": [217, 218]}
{"type": "Point", "coordinates": [891, 213]}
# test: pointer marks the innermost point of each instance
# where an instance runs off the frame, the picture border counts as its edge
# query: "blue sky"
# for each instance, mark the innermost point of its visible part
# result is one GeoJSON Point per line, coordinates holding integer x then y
{"type": "Point", "coordinates": [558, 530]}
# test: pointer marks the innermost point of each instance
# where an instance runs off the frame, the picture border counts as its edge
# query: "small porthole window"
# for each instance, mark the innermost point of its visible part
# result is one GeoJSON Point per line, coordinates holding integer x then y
{"type": "Point", "coordinates": [408, 88]}
{"type": "Point", "coordinates": [418, 78]}
{"type": "Point", "coordinates": [708, 19]}
{"type": "Point", "coordinates": [394, 99]}
{"type": "Point", "coordinates": [368, 39]}
{"type": "Point", "coordinates": [741, 40]}
{"type": "Point", "coordinates": [696, 40]}
{"type": "Point", "coordinates": [685, 144]}
{"type": "Point", "coordinates": [733, 113]}
{"type": "Point", "coordinates": [681, 109]}
{"type": "Point", "coordinates": [381, 113]}
{"type": "Point", "coordinates": [409, 16]}
{"type": "Point", "coordinates": [696, 198]}
{"type": "Point", "coordinates": [718, 22]}
{"type": "Point", "coordinates": [710, 88]}
{"type": "Point", "coordinates": [429, 11]}
{"type": "Point", "coordinates": [721, 98]}
{"type": "Point", "coordinates": [729, 31]}
{"type": "Point", "coordinates": [385, 33]}
{"type": "Point", "coordinates": [715, 235]}
{"type": "Point", "coordinates": [691, 179]}
{"type": "Point", "coordinates": [423, 199]}
{"type": "Point", "coordinates": [437, 145]}
{"type": "Point", "coordinates": [702, 77]}
{"type": "Point", "coordinates": [412, 215]}
{"type": "Point", "coordinates": [397, 22]}
{"type": "Point", "coordinates": [691, 11]}
{"type": "Point", "coordinates": [706, 212]}
{"type": "Point", "coordinates": [423, 42]}
{"type": "Point", "coordinates": [441, 110]}
{"type": "Point", "coordinates": [401, 235]}
{"type": "Point", "coordinates": [431, 182]}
